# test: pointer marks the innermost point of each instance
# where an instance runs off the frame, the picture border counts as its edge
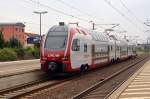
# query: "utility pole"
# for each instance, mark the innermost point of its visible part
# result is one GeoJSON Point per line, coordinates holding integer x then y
{"type": "Point", "coordinates": [40, 13]}
{"type": "Point", "coordinates": [147, 23]}
{"type": "Point", "coordinates": [93, 25]}
{"type": "Point", "coordinates": [148, 44]}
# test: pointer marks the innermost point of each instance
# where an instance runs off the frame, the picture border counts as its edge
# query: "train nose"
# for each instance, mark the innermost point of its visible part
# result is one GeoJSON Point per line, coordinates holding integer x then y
{"type": "Point", "coordinates": [52, 66]}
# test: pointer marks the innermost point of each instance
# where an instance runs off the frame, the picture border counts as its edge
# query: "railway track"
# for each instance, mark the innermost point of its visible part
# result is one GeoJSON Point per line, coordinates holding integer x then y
{"type": "Point", "coordinates": [27, 88]}
{"type": "Point", "coordinates": [94, 91]}
{"type": "Point", "coordinates": [12, 92]}
{"type": "Point", "coordinates": [69, 89]}
{"type": "Point", "coordinates": [35, 86]}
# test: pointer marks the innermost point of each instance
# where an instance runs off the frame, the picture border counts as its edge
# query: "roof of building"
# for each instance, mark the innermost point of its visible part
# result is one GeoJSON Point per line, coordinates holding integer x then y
{"type": "Point", "coordinates": [12, 24]}
{"type": "Point", "coordinates": [32, 34]}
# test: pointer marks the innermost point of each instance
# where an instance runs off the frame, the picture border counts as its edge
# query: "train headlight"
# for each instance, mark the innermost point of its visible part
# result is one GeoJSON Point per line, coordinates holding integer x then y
{"type": "Point", "coordinates": [44, 58]}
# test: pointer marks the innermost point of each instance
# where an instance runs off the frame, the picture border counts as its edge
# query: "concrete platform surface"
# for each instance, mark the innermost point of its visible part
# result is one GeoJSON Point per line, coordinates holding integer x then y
{"type": "Point", "coordinates": [14, 67]}
{"type": "Point", "coordinates": [136, 87]}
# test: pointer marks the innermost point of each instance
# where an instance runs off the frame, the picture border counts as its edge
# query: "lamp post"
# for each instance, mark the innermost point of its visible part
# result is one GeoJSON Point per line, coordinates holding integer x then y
{"type": "Point", "coordinates": [40, 13]}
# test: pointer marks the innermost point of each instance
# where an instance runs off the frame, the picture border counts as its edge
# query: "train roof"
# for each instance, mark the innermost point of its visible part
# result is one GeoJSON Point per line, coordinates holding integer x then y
{"type": "Point", "coordinates": [113, 37]}
{"type": "Point", "coordinates": [57, 28]}
{"type": "Point", "coordinates": [99, 36]}
{"type": "Point", "coordinates": [96, 35]}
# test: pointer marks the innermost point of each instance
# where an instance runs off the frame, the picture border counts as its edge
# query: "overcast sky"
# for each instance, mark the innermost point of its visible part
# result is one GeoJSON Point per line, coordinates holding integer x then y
{"type": "Point", "coordinates": [130, 14]}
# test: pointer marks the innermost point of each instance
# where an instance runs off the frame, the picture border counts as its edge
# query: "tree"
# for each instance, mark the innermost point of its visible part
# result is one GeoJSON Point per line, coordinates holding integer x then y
{"type": "Point", "coordinates": [37, 45]}
{"type": "Point", "coordinates": [14, 43]}
{"type": "Point", "coordinates": [2, 42]}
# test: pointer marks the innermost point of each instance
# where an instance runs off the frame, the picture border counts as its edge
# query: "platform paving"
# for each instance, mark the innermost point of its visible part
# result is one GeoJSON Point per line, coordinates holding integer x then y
{"type": "Point", "coordinates": [136, 87]}
{"type": "Point", "coordinates": [15, 67]}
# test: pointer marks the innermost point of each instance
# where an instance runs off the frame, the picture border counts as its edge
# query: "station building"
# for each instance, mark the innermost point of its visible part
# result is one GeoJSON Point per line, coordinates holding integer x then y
{"type": "Point", "coordinates": [16, 30]}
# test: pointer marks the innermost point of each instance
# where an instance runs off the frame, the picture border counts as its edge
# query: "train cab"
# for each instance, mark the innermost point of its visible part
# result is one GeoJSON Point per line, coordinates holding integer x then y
{"type": "Point", "coordinates": [54, 48]}
{"type": "Point", "coordinates": [65, 49]}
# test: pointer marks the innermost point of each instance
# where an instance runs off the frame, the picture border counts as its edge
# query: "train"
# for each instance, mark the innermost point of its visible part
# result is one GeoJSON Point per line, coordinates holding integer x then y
{"type": "Point", "coordinates": [71, 49]}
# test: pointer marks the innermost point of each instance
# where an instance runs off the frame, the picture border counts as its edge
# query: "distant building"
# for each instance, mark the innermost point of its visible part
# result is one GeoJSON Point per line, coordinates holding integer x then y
{"type": "Point", "coordinates": [30, 39]}
{"type": "Point", "coordinates": [145, 47]}
{"type": "Point", "coordinates": [16, 30]}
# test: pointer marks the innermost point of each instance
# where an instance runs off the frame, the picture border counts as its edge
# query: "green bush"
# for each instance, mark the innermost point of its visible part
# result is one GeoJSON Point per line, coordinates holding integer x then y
{"type": "Point", "coordinates": [36, 52]}
{"type": "Point", "coordinates": [32, 53]}
{"type": "Point", "coordinates": [11, 54]}
{"type": "Point", "coordinates": [20, 52]}
{"type": "Point", "coordinates": [7, 55]}
{"type": "Point", "coordinates": [28, 53]}
{"type": "Point", "coordinates": [28, 48]}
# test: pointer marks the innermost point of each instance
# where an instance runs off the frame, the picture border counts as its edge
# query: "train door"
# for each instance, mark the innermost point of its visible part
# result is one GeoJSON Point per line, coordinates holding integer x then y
{"type": "Point", "coordinates": [76, 53]}
{"type": "Point", "coordinates": [87, 57]}
{"type": "Point", "coordinates": [112, 52]}
{"type": "Point", "coordinates": [117, 50]}
{"type": "Point", "coordinates": [84, 53]}
{"type": "Point", "coordinates": [80, 53]}
{"type": "Point", "coordinates": [124, 51]}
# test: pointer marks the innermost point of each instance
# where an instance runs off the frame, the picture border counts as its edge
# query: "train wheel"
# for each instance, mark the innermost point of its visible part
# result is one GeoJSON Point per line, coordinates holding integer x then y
{"type": "Point", "coordinates": [118, 60]}
{"type": "Point", "coordinates": [83, 68]}
{"type": "Point", "coordinates": [112, 61]}
{"type": "Point", "coordinates": [86, 67]}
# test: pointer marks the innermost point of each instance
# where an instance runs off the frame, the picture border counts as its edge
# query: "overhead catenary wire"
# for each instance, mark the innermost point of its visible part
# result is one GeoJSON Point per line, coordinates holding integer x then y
{"type": "Point", "coordinates": [131, 12]}
{"type": "Point", "coordinates": [123, 15]}
{"type": "Point", "coordinates": [82, 12]}
{"type": "Point", "coordinates": [79, 10]}
{"type": "Point", "coordinates": [70, 6]}
{"type": "Point", "coordinates": [79, 18]}
{"type": "Point", "coordinates": [58, 11]}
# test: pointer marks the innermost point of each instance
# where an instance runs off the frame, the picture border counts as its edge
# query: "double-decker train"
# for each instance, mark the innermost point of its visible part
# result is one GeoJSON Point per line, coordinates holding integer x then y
{"type": "Point", "coordinates": [73, 49]}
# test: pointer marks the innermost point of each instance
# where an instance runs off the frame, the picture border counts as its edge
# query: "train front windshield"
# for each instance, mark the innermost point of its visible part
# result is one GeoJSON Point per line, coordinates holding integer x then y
{"type": "Point", "coordinates": [56, 38]}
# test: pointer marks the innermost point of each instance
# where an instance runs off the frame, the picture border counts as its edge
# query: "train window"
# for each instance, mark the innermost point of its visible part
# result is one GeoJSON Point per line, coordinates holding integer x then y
{"type": "Point", "coordinates": [85, 47]}
{"type": "Point", "coordinates": [76, 45]}
{"type": "Point", "coordinates": [56, 42]}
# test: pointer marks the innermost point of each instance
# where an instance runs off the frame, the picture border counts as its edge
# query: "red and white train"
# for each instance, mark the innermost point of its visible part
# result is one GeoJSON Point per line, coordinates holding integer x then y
{"type": "Point", "coordinates": [72, 49]}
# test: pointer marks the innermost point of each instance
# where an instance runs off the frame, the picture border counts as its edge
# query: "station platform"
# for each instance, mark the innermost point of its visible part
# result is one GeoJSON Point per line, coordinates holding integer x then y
{"type": "Point", "coordinates": [16, 67]}
{"type": "Point", "coordinates": [136, 87]}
